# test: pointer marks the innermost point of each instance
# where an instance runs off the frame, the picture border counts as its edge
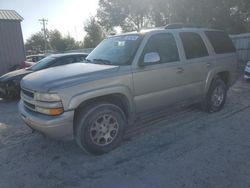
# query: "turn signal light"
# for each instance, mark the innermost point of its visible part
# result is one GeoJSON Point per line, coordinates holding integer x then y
{"type": "Point", "coordinates": [55, 111]}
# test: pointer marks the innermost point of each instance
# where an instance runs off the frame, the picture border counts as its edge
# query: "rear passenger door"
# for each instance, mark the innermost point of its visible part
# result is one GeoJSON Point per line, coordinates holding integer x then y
{"type": "Point", "coordinates": [196, 63]}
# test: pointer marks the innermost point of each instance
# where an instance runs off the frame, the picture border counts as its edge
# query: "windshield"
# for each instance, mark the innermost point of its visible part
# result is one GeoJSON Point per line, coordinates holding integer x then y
{"type": "Point", "coordinates": [42, 64]}
{"type": "Point", "coordinates": [117, 50]}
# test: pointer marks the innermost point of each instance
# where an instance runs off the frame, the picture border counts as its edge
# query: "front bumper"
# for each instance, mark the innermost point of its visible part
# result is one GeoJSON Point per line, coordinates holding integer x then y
{"type": "Point", "coordinates": [247, 72]}
{"type": "Point", "coordinates": [2, 89]}
{"type": "Point", "coordinates": [59, 127]}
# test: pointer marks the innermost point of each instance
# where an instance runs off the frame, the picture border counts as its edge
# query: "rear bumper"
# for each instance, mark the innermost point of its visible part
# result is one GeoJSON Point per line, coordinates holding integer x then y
{"type": "Point", "coordinates": [2, 90]}
{"type": "Point", "coordinates": [247, 77]}
{"type": "Point", "coordinates": [247, 73]}
{"type": "Point", "coordinates": [59, 127]}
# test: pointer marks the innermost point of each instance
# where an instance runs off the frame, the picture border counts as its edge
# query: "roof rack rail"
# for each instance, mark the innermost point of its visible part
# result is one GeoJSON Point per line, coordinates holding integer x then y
{"type": "Point", "coordinates": [181, 25]}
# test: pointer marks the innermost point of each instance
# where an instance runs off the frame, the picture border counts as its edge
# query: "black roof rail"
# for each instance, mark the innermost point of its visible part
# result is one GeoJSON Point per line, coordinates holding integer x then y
{"type": "Point", "coordinates": [174, 26]}
{"type": "Point", "coordinates": [181, 25]}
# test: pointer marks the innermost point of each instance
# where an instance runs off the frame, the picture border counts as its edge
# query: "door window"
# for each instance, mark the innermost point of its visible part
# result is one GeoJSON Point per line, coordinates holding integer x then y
{"type": "Point", "coordinates": [193, 45]}
{"type": "Point", "coordinates": [64, 61]}
{"type": "Point", "coordinates": [80, 58]}
{"type": "Point", "coordinates": [165, 45]}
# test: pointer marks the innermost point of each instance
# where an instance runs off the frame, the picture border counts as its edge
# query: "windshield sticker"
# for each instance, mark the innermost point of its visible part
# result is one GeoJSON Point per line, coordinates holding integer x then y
{"type": "Point", "coordinates": [133, 37]}
{"type": "Point", "coordinates": [120, 43]}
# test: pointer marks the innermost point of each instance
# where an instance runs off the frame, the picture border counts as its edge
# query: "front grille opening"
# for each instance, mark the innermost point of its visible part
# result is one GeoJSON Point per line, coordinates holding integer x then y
{"type": "Point", "coordinates": [28, 105]}
{"type": "Point", "coordinates": [28, 93]}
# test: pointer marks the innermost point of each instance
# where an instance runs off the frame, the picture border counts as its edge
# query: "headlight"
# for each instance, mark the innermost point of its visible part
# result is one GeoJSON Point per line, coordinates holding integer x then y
{"type": "Point", "coordinates": [46, 97]}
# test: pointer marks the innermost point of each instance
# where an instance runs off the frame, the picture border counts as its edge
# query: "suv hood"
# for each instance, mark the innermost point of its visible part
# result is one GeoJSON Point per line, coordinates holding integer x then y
{"type": "Point", "coordinates": [66, 76]}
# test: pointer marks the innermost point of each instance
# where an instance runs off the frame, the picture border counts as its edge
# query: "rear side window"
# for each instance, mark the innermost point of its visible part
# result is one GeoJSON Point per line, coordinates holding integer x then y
{"type": "Point", "coordinates": [63, 61]}
{"type": "Point", "coordinates": [80, 58]}
{"type": "Point", "coordinates": [193, 44]}
{"type": "Point", "coordinates": [220, 42]}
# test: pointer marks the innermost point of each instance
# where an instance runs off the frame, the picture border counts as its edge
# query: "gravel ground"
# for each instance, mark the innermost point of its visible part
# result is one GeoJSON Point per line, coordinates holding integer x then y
{"type": "Point", "coordinates": [185, 148]}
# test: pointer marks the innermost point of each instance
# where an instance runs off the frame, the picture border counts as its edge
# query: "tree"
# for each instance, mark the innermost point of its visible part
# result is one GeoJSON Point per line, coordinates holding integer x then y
{"type": "Point", "coordinates": [59, 43]}
{"type": "Point", "coordinates": [231, 15]}
{"type": "Point", "coordinates": [35, 43]}
{"type": "Point", "coordinates": [129, 14]}
{"type": "Point", "coordinates": [94, 33]}
{"type": "Point", "coordinates": [55, 42]}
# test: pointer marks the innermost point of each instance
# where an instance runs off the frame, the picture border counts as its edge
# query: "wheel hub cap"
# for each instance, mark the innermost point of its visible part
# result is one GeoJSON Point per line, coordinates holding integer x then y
{"type": "Point", "coordinates": [218, 96]}
{"type": "Point", "coordinates": [104, 130]}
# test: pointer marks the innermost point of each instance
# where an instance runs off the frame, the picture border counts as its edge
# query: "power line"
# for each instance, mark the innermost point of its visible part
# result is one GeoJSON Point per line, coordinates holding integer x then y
{"type": "Point", "coordinates": [44, 22]}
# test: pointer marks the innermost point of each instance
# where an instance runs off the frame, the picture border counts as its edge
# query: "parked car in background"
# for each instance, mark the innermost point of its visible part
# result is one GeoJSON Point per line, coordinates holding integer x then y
{"type": "Point", "coordinates": [10, 82]}
{"type": "Point", "coordinates": [35, 58]}
{"type": "Point", "coordinates": [247, 71]}
{"type": "Point", "coordinates": [30, 60]}
{"type": "Point", "coordinates": [129, 76]}
{"type": "Point", "coordinates": [22, 65]}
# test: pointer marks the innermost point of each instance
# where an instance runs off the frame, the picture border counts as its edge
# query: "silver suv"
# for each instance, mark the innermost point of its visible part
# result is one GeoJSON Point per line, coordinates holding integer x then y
{"type": "Point", "coordinates": [125, 77]}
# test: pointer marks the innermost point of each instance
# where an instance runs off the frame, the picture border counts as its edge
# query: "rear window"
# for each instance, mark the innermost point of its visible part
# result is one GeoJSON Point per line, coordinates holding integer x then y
{"type": "Point", "coordinates": [220, 42]}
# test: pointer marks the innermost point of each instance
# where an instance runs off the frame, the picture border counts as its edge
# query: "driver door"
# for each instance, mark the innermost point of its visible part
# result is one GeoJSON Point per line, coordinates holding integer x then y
{"type": "Point", "coordinates": [159, 84]}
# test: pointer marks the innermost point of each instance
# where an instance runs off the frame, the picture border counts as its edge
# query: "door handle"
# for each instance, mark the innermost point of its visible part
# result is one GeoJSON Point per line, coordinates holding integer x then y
{"type": "Point", "coordinates": [180, 70]}
{"type": "Point", "coordinates": [208, 65]}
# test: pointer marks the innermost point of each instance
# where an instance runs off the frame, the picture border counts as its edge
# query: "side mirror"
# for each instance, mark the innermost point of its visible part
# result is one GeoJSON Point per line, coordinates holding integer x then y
{"type": "Point", "coordinates": [151, 58]}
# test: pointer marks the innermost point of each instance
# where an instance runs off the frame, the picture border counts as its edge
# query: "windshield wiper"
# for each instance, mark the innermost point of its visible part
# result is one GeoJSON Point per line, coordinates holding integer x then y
{"type": "Point", "coordinates": [103, 61]}
{"type": "Point", "coordinates": [87, 60]}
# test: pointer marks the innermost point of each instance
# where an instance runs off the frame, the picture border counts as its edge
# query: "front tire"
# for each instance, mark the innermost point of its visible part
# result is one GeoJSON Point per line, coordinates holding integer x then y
{"type": "Point", "coordinates": [100, 128]}
{"type": "Point", "coordinates": [216, 96]}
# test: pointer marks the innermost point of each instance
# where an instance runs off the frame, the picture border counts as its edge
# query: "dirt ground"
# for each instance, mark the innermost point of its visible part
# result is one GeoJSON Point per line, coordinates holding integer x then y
{"type": "Point", "coordinates": [185, 148]}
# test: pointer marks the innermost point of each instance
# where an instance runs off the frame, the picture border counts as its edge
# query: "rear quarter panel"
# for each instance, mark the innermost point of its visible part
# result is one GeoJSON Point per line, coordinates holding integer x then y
{"type": "Point", "coordinates": [223, 63]}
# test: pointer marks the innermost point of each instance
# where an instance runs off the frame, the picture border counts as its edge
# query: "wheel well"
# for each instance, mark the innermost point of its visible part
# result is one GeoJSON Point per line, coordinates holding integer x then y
{"type": "Point", "coordinates": [117, 99]}
{"type": "Point", "coordinates": [224, 76]}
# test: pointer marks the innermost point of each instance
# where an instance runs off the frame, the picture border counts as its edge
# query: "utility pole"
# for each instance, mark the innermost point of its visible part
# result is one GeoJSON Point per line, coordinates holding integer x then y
{"type": "Point", "coordinates": [169, 14]}
{"type": "Point", "coordinates": [44, 29]}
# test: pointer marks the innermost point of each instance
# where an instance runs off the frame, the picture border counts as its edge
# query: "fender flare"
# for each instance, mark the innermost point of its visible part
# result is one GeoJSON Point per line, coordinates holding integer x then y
{"type": "Point", "coordinates": [79, 98]}
{"type": "Point", "coordinates": [211, 75]}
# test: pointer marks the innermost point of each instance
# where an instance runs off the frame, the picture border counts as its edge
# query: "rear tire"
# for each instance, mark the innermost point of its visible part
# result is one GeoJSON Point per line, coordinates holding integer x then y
{"type": "Point", "coordinates": [100, 128]}
{"type": "Point", "coordinates": [216, 96]}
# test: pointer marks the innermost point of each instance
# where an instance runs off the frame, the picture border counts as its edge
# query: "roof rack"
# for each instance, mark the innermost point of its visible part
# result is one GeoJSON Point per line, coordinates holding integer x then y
{"type": "Point", "coordinates": [181, 25]}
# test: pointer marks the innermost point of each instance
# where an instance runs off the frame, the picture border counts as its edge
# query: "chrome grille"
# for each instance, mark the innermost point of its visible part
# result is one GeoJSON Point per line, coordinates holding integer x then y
{"type": "Point", "coordinates": [28, 99]}
{"type": "Point", "coordinates": [30, 106]}
{"type": "Point", "coordinates": [28, 93]}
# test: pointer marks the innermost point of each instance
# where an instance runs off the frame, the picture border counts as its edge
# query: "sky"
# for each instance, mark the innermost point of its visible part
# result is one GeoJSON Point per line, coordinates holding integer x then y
{"type": "Point", "coordinates": [68, 16]}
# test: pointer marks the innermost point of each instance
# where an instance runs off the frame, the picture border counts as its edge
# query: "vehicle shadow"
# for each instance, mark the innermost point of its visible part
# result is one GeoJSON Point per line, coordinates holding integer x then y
{"type": "Point", "coordinates": [58, 163]}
